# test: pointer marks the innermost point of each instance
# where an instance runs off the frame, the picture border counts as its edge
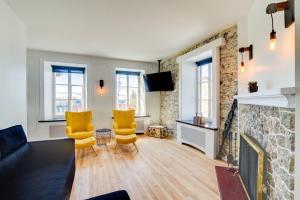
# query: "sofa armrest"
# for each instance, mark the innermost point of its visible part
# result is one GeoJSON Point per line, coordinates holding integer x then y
{"type": "Point", "coordinates": [121, 194]}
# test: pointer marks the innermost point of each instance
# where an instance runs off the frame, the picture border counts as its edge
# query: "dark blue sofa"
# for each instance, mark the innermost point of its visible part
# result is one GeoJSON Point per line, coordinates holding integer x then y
{"type": "Point", "coordinates": [35, 170]}
{"type": "Point", "coordinates": [41, 170]}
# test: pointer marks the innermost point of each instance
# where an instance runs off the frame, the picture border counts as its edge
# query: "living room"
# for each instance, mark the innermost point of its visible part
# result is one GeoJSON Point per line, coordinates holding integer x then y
{"type": "Point", "coordinates": [149, 100]}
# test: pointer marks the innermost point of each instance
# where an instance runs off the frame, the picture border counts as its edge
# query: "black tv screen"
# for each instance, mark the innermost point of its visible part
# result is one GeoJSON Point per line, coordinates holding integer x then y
{"type": "Point", "coordinates": [161, 81]}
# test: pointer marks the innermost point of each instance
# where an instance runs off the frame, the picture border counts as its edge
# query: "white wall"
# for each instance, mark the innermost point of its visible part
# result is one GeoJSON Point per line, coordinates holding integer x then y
{"type": "Point", "coordinates": [297, 141]}
{"type": "Point", "coordinates": [12, 69]}
{"type": "Point", "coordinates": [271, 69]}
{"type": "Point", "coordinates": [97, 68]}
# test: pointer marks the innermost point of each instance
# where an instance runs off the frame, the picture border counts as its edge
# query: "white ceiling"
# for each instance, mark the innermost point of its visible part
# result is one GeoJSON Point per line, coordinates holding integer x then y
{"type": "Point", "coordinates": [143, 30]}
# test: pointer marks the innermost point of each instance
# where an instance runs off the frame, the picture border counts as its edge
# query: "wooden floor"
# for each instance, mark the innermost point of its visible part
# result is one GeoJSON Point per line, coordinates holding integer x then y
{"type": "Point", "coordinates": [161, 170]}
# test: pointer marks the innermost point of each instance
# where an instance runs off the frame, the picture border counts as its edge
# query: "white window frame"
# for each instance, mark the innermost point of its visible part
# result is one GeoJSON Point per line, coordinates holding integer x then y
{"type": "Point", "coordinates": [210, 91]}
{"type": "Point", "coordinates": [69, 94]}
{"type": "Point", "coordinates": [127, 92]}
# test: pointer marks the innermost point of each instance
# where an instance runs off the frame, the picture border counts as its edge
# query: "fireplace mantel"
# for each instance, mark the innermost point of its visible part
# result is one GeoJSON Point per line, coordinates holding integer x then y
{"type": "Point", "coordinates": [283, 97]}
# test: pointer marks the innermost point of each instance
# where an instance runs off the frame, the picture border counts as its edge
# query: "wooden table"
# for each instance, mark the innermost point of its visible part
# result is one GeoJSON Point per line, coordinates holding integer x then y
{"type": "Point", "coordinates": [157, 131]}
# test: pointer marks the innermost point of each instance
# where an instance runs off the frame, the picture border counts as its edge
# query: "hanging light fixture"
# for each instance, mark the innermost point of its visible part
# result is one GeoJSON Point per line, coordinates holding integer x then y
{"type": "Point", "coordinates": [101, 85]}
{"type": "Point", "coordinates": [242, 63]}
{"type": "Point", "coordinates": [272, 36]}
{"type": "Point", "coordinates": [288, 8]}
{"type": "Point", "coordinates": [242, 50]}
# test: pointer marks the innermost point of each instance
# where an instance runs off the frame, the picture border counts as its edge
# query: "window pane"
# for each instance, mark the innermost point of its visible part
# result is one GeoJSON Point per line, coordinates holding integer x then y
{"type": "Point", "coordinates": [122, 80]}
{"type": "Point", "coordinates": [127, 92]}
{"type": "Point", "coordinates": [122, 91]}
{"type": "Point", "coordinates": [122, 103]}
{"type": "Point", "coordinates": [61, 78]}
{"type": "Point", "coordinates": [133, 99]}
{"type": "Point", "coordinates": [205, 108]}
{"type": "Point", "coordinates": [61, 92]}
{"type": "Point", "coordinates": [61, 106]}
{"type": "Point", "coordinates": [77, 105]}
{"type": "Point", "coordinates": [204, 72]}
{"type": "Point", "coordinates": [133, 81]}
{"type": "Point", "coordinates": [77, 92]}
{"type": "Point", "coordinates": [122, 98]}
{"type": "Point", "coordinates": [204, 90]}
{"type": "Point", "coordinates": [77, 79]}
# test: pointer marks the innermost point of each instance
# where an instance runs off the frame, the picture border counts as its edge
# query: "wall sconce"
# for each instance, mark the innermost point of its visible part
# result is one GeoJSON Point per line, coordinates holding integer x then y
{"type": "Point", "coordinates": [101, 84]}
{"type": "Point", "coordinates": [289, 17]}
{"type": "Point", "coordinates": [242, 50]}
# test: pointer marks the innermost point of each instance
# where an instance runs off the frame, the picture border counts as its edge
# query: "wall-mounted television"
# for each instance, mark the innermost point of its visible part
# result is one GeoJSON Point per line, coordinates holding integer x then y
{"type": "Point", "coordinates": [161, 81]}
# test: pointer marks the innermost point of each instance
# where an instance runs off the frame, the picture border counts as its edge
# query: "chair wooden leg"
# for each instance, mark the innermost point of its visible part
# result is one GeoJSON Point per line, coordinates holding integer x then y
{"type": "Point", "coordinates": [94, 150]}
{"type": "Point", "coordinates": [136, 147]}
{"type": "Point", "coordinates": [117, 149]}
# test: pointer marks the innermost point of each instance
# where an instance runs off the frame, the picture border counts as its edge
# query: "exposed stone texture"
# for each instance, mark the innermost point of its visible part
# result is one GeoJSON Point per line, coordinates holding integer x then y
{"type": "Point", "coordinates": [169, 109]}
{"type": "Point", "coordinates": [274, 129]}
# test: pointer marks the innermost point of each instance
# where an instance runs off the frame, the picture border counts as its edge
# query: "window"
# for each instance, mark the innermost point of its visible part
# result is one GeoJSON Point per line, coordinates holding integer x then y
{"type": "Point", "coordinates": [129, 91]}
{"type": "Point", "coordinates": [68, 89]}
{"type": "Point", "coordinates": [204, 74]}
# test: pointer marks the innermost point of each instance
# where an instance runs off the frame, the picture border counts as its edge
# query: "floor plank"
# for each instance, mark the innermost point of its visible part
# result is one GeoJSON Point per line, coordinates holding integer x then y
{"type": "Point", "coordinates": [162, 169]}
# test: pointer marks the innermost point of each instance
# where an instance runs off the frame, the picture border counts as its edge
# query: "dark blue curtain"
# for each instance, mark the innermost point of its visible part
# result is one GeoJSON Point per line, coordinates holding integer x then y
{"type": "Point", "coordinates": [128, 73]}
{"type": "Point", "coordinates": [64, 69]}
{"type": "Point", "coordinates": [204, 62]}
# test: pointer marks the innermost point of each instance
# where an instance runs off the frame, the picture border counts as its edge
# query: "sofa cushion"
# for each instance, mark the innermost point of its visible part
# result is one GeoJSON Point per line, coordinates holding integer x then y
{"type": "Point", "coordinates": [9, 164]}
{"type": "Point", "coordinates": [125, 131]}
{"type": "Point", "coordinates": [11, 139]}
{"type": "Point", "coordinates": [46, 171]}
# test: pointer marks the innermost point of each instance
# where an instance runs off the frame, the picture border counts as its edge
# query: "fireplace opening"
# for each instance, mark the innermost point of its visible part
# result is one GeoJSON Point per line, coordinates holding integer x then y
{"type": "Point", "coordinates": [251, 167]}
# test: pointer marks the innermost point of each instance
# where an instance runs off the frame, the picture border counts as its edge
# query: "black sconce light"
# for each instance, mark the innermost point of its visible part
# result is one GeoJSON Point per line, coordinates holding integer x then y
{"type": "Point", "coordinates": [101, 84]}
{"type": "Point", "coordinates": [242, 50]}
{"type": "Point", "coordinates": [289, 17]}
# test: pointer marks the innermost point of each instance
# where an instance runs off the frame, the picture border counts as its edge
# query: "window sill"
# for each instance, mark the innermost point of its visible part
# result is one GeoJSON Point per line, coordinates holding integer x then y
{"type": "Point", "coordinates": [141, 116]}
{"type": "Point", "coordinates": [51, 120]}
{"type": "Point", "coordinates": [209, 126]}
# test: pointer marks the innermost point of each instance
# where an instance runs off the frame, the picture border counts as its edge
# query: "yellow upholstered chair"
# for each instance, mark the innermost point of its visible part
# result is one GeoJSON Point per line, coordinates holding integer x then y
{"type": "Point", "coordinates": [80, 128]}
{"type": "Point", "coordinates": [124, 123]}
{"type": "Point", "coordinates": [124, 127]}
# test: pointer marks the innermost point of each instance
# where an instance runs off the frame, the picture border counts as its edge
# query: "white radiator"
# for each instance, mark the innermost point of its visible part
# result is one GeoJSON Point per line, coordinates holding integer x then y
{"type": "Point", "coordinates": [193, 137]}
{"type": "Point", "coordinates": [57, 131]}
{"type": "Point", "coordinates": [142, 124]}
{"type": "Point", "coordinates": [203, 139]}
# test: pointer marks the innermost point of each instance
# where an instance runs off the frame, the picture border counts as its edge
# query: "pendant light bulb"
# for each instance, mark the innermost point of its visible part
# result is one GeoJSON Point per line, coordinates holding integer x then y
{"type": "Point", "coordinates": [242, 66]}
{"type": "Point", "coordinates": [272, 36]}
{"type": "Point", "coordinates": [273, 40]}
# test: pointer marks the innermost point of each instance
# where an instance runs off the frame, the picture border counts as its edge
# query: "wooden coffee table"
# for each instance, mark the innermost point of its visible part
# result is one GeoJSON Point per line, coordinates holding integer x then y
{"type": "Point", "coordinates": [158, 131]}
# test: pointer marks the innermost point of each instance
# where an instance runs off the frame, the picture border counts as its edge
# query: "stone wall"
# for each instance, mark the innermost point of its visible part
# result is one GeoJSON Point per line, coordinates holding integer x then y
{"type": "Point", "coordinates": [274, 129]}
{"type": "Point", "coordinates": [169, 109]}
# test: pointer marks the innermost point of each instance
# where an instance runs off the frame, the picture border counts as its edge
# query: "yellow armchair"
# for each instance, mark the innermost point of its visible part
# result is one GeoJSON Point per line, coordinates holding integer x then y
{"type": "Point", "coordinates": [124, 127]}
{"type": "Point", "coordinates": [80, 128]}
{"type": "Point", "coordinates": [79, 125]}
{"type": "Point", "coordinates": [124, 123]}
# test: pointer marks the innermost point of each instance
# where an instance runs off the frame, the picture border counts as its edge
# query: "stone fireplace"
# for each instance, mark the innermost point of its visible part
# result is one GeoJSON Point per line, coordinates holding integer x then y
{"type": "Point", "coordinates": [273, 128]}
